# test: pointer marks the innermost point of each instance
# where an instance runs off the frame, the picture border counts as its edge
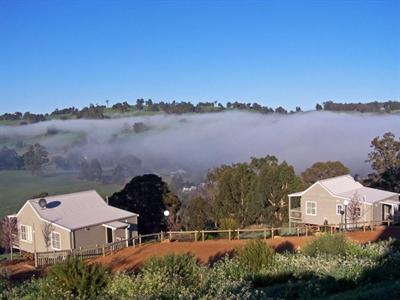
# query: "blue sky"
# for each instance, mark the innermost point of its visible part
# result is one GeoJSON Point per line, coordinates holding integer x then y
{"type": "Point", "coordinates": [72, 53]}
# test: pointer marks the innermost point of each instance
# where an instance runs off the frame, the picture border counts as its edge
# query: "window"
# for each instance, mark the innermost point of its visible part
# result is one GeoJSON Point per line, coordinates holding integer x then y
{"type": "Point", "coordinates": [358, 212]}
{"type": "Point", "coordinates": [311, 208]}
{"type": "Point", "coordinates": [26, 233]}
{"type": "Point", "coordinates": [339, 208]}
{"type": "Point", "coordinates": [55, 240]}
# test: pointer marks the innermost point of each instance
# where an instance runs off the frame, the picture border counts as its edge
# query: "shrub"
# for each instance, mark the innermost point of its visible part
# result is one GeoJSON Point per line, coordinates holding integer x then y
{"type": "Point", "coordinates": [228, 223]}
{"type": "Point", "coordinates": [255, 255]}
{"type": "Point", "coordinates": [78, 278]}
{"type": "Point", "coordinates": [329, 244]}
{"type": "Point", "coordinates": [181, 267]}
{"type": "Point", "coordinates": [169, 277]}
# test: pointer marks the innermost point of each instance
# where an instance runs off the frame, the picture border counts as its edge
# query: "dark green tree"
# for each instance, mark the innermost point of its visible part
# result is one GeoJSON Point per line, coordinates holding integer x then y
{"type": "Point", "coordinates": [254, 192]}
{"type": "Point", "coordinates": [149, 196]}
{"type": "Point", "coordinates": [91, 170]}
{"type": "Point", "coordinates": [385, 154]}
{"type": "Point", "coordinates": [197, 214]}
{"type": "Point", "coordinates": [10, 160]}
{"type": "Point", "coordinates": [323, 170]}
{"type": "Point", "coordinates": [35, 158]}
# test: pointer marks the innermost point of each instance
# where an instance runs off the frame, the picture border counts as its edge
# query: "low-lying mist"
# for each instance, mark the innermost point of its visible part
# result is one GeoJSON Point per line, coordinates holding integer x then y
{"type": "Point", "coordinates": [197, 142]}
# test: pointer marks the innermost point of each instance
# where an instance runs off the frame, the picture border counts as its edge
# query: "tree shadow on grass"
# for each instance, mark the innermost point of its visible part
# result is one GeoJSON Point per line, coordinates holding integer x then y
{"type": "Point", "coordinates": [285, 247]}
{"type": "Point", "coordinates": [220, 255]}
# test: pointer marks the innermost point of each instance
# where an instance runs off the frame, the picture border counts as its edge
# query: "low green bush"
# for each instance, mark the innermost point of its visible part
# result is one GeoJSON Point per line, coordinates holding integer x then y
{"type": "Point", "coordinates": [78, 278]}
{"type": "Point", "coordinates": [329, 244]}
{"type": "Point", "coordinates": [255, 255]}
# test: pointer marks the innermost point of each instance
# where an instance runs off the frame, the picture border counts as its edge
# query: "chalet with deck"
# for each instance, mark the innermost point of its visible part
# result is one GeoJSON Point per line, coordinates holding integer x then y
{"type": "Point", "coordinates": [328, 201]}
{"type": "Point", "coordinates": [71, 221]}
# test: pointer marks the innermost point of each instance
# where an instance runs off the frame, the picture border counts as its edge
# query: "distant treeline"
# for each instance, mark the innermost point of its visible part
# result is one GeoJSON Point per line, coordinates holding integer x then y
{"type": "Point", "coordinates": [375, 106]}
{"type": "Point", "coordinates": [99, 111]}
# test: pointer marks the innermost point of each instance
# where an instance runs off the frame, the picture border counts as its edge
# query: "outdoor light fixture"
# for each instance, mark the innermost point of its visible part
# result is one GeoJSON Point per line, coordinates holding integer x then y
{"type": "Point", "coordinates": [166, 213]}
{"type": "Point", "coordinates": [345, 202]}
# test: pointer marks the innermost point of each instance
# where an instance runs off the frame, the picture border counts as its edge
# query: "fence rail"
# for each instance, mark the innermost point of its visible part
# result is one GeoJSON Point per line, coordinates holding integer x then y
{"type": "Point", "coordinates": [50, 258]}
{"type": "Point", "coordinates": [53, 257]}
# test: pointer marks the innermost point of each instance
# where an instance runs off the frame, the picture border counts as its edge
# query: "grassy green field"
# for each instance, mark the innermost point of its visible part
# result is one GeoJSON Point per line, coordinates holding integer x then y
{"type": "Point", "coordinates": [18, 186]}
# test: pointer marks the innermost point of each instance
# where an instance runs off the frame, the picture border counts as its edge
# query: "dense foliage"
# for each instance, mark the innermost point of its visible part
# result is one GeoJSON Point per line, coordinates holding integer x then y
{"type": "Point", "coordinates": [252, 193]}
{"type": "Point", "coordinates": [255, 256]}
{"type": "Point", "coordinates": [385, 161]}
{"type": "Point", "coordinates": [364, 270]}
{"type": "Point", "coordinates": [324, 170]}
{"type": "Point", "coordinates": [78, 278]}
{"type": "Point", "coordinates": [149, 196]}
{"type": "Point", "coordinates": [376, 106]}
{"type": "Point", "coordinates": [329, 245]}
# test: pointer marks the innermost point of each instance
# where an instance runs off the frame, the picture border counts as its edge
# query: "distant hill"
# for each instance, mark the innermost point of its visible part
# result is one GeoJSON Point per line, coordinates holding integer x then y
{"type": "Point", "coordinates": [148, 107]}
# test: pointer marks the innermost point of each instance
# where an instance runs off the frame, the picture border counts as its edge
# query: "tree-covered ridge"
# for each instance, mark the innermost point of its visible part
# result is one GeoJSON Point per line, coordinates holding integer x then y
{"type": "Point", "coordinates": [371, 107]}
{"type": "Point", "coordinates": [96, 111]}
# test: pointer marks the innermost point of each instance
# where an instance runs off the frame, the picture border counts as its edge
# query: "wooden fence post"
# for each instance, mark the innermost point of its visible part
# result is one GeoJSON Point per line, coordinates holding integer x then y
{"type": "Point", "coordinates": [140, 240]}
{"type": "Point", "coordinates": [161, 236]}
{"type": "Point", "coordinates": [202, 235]}
{"type": "Point", "coordinates": [238, 234]}
{"type": "Point", "coordinates": [80, 252]}
{"type": "Point", "coordinates": [331, 229]}
{"type": "Point", "coordinates": [35, 257]}
{"type": "Point", "coordinates": [195, 235]}
{"type": "Point", "coordinates": [170, 236]}
{"type": "Point", "coordinates": [272, 232]}
{"type": "Point", "coordinates": [306, 230]}
{"type": "Point", "coordinates": [229, 234]}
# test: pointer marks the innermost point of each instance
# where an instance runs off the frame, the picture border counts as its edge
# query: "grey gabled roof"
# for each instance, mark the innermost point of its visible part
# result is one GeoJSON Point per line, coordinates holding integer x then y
{"type": "Point", "coordinates": [340, 184]}
{"type": "Point", "coordinates": [78, 210]}
{"type": "Point", "coordinates": [346, 187]}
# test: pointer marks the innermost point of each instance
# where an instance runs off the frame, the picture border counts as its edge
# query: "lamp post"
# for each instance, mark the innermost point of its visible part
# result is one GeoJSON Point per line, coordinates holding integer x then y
{"type": "Point", "coordinates": [345, 202]}
{"type": "Point", "coordinates": [166, 215]}
{"type": "Point", "coordinates": [341, 218]}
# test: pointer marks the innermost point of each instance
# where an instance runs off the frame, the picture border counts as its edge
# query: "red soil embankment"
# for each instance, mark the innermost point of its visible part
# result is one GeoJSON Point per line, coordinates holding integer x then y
{"type": "Point", "coordinates": [208, 252]}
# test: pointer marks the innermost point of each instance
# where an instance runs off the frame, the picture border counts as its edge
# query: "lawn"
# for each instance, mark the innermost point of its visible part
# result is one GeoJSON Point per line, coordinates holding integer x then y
{"type": "Point", "coordinates": [18, 186]}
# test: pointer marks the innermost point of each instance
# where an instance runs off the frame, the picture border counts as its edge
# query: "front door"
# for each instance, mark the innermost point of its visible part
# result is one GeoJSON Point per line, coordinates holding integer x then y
{"type": "Point", "coordinates": [386, 212]}
{"type": "Point", "coordinates": [109, 235]}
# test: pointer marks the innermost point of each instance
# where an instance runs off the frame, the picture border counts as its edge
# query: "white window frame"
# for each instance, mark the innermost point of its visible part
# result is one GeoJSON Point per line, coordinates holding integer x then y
{"type": "Point", "coordinates": [337, 210]}
{"type": "Point", "coordinates": [28, 233]}
{"type": "Point", "coordinates": [59, 239]}
{"type": "Point", "coordinates": [311, 214]}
